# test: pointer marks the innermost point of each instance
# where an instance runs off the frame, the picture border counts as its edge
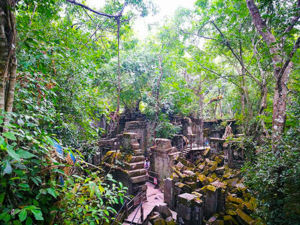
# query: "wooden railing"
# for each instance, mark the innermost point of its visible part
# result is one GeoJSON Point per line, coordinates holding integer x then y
{"type": "Point", "coordinates": [153, 177]}
{"type": "Point", "coordinates": [129, 207]}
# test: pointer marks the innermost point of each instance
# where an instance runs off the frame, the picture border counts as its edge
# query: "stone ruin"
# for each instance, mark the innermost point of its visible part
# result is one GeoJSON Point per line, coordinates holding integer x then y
{"type": "Point", "coordinates": [161, 214]}
{"type": "Point", "coordinates": [200, 183]}
{"type": "Point", "coordinates": [208, 192]}
{"type": "Point", "coordinates": [112, 143]}
{"type": "Point", "coordinates": [127, 164]}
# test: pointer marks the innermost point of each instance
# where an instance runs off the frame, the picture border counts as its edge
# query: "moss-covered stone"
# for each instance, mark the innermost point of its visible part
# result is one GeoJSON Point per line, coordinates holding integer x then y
{"type": "Point", "coordinates": [192, 185]}
{"type": "Point", "coordinates": [110, 156]}
{"type": "Point", "coordinates": [170, 221]}
{"type": "Point", "coordinates": [201, 166]}
{"type": "Point", "coordinates": [234, 199]}
{"type": "Point", "coordinates": [244, 218]}
{"type": "Point", "coordinates": [229, 220]}
{"type": "Point", "coordinates": [211, 188]}
{"type": "Point", "coordinates": [159, 221]}
{"type": "Point", "coordinates": [210, 180]}
{"type": "Point", "coordinates": [230, 212]}
{"type": "Point", "coordinates": [186, 163]}
{"type": "Point", "coordinates": [201, 177]}
{"type": "Point", "coordinates": [206, 152]}
{"type": "Point", "coordinates": [213, 176]}
{"type": "Point", "coordinates": [186, 199]}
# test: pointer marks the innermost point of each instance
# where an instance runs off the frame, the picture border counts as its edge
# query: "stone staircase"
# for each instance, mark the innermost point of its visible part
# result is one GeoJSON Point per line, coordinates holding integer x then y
{"type": "Point", "coordinates": [134, 164]}
{"type": "Point", "coordinates": [184, 152]}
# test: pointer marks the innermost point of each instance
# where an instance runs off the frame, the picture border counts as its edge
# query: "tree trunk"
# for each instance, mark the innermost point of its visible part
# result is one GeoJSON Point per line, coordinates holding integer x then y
{"type": "Point", "coordinates": [117, 116]}
{"type": "Point", "coordinates": [157, 96]}
{"type": "Point", "coordinates": [264, 94]}
{"type": "Point", "coordinates": [279, 105]}
{"type": "Point", "coordinates": [243, 102]}
{"type": "Point", "coordinates": [281, 74]}
{"type": "Point", "coordinates": [200, 140]}
{"type": "Point", "coordinates": [8, 62]}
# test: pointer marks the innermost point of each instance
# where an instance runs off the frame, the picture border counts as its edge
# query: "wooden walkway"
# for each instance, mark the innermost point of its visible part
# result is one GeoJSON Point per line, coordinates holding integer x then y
{"type": "Point", "coordinates": [154, 197]}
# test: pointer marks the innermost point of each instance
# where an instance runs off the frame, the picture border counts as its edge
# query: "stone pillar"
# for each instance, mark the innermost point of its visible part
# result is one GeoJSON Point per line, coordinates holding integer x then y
{"type": "Point", "coordinates": [160, 162]}
{"type": "Point", "coordinates": [211, 201]}
{"type": "Point", "coordinates": [198, 212]}
{"type": "Point", "coordinates": [189, 209]}
{"type": "Point", "coordinates": [184, 209]}
{"type": "Point", "coordinates": [169, 196]}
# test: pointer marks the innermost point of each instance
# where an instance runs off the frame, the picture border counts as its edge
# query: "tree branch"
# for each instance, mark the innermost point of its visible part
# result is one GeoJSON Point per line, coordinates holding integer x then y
{"type": "Point", "coordinates": [96, 12]}
{"type": "Point", "coordinates": [296, 46]}
{"type": "Point", "coordinates": [201, 36]}
{"type": "Point", "coordinates": [226, 42]}
{"type": "Point", "coordinates": [294, 20]}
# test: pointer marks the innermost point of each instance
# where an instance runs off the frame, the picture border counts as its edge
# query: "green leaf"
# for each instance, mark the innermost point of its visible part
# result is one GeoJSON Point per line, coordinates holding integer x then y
{"type": "Point", "coordinates": [101, 189]}
{"type": "Point", "coordinates": [37, 214]}
{"type": "Point", "coordinates": [52, 192]}
{"type": "Point", "coordinates": [50, 141]}
{"type": "Point", "coordinates": [2, 215]}
{"type": "Point", "coordinates": [30, 207]}
{"type": "Point", "coordinates": [24, 185]}
{"type": "Point", "coordinates": [22, 215]}
{"type": "Point", "coordinates": [1, 198]}
{"type": "Point", "coordinates": [24, 154]}
{"type": "Point", "coordinates": [17, 222]}
{"type": "Point", "coordinates": [106, 212]}
{"type": "Point", "coordinates": [10, 136]}
{"type": "Point", "coordinates": [16, 211]}
{"type": "Point", "coordinates": [29, 221]}
{"type": "Point", "coordinates": [7, 169]}
{"type": "Point", "coordinates": [34, 180]}
{"type": "Point", "coordinates": [92, 192]}
{"type": "Point", "coordinates": [35, 202]}
{"type": "Point", "coordinates": [13, 154]}
{"type": "Point", "coordinates": [7, 218]}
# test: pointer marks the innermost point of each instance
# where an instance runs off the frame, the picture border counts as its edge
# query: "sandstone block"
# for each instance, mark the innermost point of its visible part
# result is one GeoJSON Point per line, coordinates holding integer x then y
{"type": "Point", "coordinates": [169, 192]}
{"type": "Point", "coordinates": [139, 179]}
{"type": "Point", "coordinates": [243, 218]}
{"type": "Point", "coordinates": [134, 166]}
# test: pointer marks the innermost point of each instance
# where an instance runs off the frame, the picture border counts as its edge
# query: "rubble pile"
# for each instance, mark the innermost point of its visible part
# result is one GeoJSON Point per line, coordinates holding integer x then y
{"type": "Point", "coordinates": [209, 192]}
{"type": "Point", "coordinates": [160, 215]}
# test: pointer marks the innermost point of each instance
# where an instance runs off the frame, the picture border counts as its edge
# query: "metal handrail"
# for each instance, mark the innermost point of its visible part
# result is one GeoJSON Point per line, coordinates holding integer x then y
{"type": "Point", "coordinates": [119, 212]}
{"type": "Point", "coordinates": [140, 205]}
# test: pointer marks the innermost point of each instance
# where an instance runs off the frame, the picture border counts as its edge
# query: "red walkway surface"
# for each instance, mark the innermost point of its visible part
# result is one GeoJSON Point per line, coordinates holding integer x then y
{"type": "Point", "coordinates": [154, 197]}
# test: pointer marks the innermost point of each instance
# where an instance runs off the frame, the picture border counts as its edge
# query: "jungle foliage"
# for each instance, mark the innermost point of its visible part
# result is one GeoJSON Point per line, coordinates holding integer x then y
{"type": "Point", "coordinates": [211, 61]}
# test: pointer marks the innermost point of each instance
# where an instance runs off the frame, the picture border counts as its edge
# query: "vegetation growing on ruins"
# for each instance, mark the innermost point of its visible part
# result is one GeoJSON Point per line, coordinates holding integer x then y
{"type": "Point", "coordinates": [66, 67]}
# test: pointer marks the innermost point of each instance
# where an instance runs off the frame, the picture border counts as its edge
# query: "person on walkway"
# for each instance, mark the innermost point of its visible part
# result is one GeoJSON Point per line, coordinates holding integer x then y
{"type": "Point", "coordinates": [147, 164]}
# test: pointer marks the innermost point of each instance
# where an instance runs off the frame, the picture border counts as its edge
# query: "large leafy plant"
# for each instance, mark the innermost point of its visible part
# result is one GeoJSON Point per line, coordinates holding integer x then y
{"type": "Point", "coordinates": [90, 200]}
{"type": "Point", "coordinates": [27, 191]}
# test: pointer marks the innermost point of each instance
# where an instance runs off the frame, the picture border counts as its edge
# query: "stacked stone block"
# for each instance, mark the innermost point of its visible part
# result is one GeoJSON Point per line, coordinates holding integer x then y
{"type": "Point", "coordinates": [209, 190]}
{"type": "Point", "coordinates": [134, 162]}
{"type": "Point", "coordinates": [189, 209]}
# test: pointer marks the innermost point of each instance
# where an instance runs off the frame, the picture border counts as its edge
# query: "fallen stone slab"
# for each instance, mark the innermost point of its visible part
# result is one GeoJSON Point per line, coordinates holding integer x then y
{"type": "Point", "coordinates": [243, 218]}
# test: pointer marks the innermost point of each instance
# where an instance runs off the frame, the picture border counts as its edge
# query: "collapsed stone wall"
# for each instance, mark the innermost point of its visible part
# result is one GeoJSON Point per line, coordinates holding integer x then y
{"type": "Point", "coordinates": [141, 129]}
{"type": "Point", "coordinates": [208, 192]}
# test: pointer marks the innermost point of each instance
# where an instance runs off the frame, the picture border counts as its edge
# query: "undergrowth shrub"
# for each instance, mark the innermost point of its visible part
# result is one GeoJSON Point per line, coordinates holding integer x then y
{"type": "Point", "coordinates": [274, 176]}
{"type": "Point", "coordinates": [34, 188]}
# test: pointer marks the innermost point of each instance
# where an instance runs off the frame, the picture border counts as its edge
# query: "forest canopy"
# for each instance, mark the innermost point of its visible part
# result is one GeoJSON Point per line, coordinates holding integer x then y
{"type": "Point", "coordinates": [66, 66]}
